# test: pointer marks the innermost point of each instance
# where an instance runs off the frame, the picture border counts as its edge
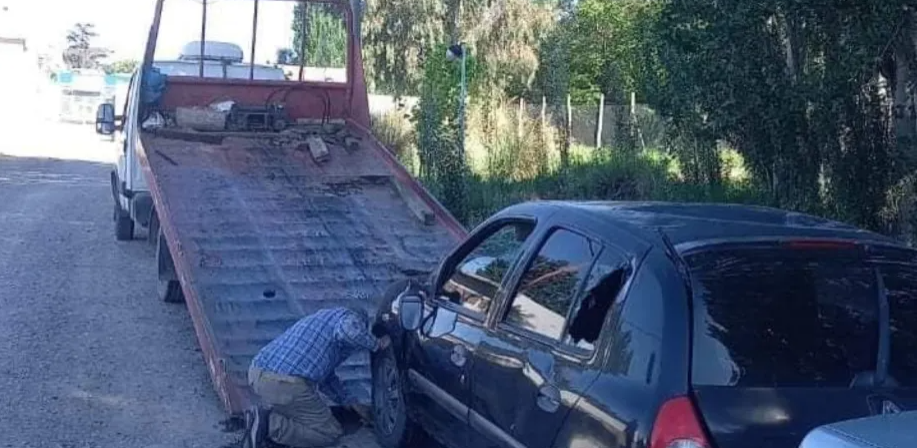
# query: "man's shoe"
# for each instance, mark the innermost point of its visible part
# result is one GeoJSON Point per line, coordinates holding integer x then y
{"type": "Point", "coordinates": [257, 429]}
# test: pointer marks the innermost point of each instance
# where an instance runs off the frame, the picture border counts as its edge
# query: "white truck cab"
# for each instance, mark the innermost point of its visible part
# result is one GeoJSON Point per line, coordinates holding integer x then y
{"type": "Point", "coordinates": [132, 201]}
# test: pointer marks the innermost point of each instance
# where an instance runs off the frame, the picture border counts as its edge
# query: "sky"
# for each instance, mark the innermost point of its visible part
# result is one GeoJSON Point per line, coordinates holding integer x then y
{"type": "Point", "coordinates": [122, 25]}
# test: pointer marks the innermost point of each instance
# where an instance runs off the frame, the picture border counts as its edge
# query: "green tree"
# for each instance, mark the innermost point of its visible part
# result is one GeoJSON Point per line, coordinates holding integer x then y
{"type": "Point", "coordinates": [122, 66]}
{"type": "Point", "coordinates": [79, 52]}
{"type": "Point", "coordinates": [442, 161]}
{"type": "Point", "coordinates": [326, 41]}
{"type": "Point", "coordinates": [793, 85]}
{"type": "Point", "coordinates": [396, 36]}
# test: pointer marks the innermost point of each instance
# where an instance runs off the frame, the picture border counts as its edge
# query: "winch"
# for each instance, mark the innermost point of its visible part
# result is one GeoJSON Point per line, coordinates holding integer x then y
{"type": "Point", "coordinates": [254, 118]}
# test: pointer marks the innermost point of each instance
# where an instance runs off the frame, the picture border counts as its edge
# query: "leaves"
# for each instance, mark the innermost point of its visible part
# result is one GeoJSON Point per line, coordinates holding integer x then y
{"type": "Point", "coordinates": [326, 45]}
{"type": "Point", "coordinates": [79, 52]}
{"type": "Point", "coordinates": [803, 90]}
{"type": "Point", "coordinates": [122, 66]}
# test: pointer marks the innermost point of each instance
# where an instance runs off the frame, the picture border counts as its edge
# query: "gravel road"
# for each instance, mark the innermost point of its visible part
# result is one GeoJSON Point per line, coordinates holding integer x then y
{"type": "Point", "coordinates": [90, 358]}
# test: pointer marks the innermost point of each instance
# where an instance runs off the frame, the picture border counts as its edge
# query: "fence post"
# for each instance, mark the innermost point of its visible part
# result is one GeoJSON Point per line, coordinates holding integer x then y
{"type": "Point", "coordinates": [635, 126]}
{"type": "Point", "coordinates": [544, 118]}
{"type": "Point", "coordinates": [519, 118]}
{"type": "Point", "coordinates": [568, 133]}
{"type": "Point", "coordinates": [598, 124]}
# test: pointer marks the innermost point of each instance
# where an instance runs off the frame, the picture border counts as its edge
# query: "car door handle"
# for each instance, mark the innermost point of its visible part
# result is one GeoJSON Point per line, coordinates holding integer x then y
{"type": "Point", "coordinates": [548, 398]}
{"type": "Point", "coordinates": [459, 355]}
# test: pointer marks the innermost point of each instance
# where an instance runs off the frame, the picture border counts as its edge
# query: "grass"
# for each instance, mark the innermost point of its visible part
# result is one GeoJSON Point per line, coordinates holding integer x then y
{"type": "Point", "coordinates": [506, 168]}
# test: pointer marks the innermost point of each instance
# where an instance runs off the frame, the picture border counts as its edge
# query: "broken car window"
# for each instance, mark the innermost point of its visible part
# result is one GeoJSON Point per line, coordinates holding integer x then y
{"type": "Point", "coordinates": [602, 289]}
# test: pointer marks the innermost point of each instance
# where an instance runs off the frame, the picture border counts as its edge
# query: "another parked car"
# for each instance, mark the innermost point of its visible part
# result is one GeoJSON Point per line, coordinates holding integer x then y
{"type": "Point", "coordinates": [880, 431]}
{"type": "Point", "coordinates": [587, 325]}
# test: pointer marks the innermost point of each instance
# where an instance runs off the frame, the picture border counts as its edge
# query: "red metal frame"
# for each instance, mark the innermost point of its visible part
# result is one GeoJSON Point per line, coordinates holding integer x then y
{"type": "Point", "coordinates": [231, 398]}
{"type": "Point", "coordinates": [349, 101]}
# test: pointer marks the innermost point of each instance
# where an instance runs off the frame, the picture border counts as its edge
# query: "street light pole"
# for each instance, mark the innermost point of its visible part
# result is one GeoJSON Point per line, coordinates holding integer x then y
{"type": "Point", "coordinates": [464, 93]}
{"type": "Point", "coordinates": [459, 51]}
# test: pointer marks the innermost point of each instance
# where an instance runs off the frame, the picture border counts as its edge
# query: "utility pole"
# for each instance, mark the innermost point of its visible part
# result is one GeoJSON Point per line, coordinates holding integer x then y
{"type": "Point", "coordinates": [458, 51]}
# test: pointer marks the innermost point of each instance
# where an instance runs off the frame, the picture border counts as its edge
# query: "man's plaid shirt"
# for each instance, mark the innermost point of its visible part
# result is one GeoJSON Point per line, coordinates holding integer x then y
{"type": "Point", "coordinates": [313, 347]}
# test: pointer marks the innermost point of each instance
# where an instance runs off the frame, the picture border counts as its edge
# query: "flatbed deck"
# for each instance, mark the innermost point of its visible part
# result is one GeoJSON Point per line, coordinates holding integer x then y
{"type": "Point", "coordinates": [261, 234]}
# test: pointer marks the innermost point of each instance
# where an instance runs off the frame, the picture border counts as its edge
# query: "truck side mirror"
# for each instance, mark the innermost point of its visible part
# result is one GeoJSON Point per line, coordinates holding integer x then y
{"type": "Point", "coordinates": [105, 119]}
{"type": "Point", "coordinates": [410, 310]}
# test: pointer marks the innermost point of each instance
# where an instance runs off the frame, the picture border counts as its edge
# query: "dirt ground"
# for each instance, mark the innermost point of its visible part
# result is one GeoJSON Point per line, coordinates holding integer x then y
{"type": "Point", "coordinates": [91, 358]}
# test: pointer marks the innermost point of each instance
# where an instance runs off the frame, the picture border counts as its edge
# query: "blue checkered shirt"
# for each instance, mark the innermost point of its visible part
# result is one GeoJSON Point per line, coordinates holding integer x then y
{"type": "Point", "coordinates": [315, 345]}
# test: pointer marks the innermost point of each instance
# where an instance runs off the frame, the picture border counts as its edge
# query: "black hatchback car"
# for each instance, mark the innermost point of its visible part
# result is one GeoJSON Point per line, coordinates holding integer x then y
{"type": "Point", "coordinates": [588, 325]}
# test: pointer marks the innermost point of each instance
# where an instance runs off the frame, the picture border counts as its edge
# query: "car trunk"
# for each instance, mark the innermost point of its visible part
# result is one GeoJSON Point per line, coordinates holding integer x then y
{"type": "Point", "coordinates": [790, 336]}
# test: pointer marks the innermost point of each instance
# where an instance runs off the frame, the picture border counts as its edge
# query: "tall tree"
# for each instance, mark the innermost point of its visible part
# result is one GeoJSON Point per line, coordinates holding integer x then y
{"type": "Point", "coordinates": [79, 52]}
{"type": "Point", "coordinates": [326, 35]}
{"type": "Point", "coordinates": [795, 86]}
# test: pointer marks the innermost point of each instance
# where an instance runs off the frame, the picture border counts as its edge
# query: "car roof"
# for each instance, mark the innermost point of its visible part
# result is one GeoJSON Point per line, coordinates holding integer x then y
{"type": "Point", "coordinates": [689, 225]}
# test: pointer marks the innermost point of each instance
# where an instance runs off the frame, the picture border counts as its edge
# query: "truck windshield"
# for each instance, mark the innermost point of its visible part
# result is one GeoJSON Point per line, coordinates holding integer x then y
{"type": "Point", "coordinates": [781, 317]}
{"type": "Point", "coordinates": [265, 40]}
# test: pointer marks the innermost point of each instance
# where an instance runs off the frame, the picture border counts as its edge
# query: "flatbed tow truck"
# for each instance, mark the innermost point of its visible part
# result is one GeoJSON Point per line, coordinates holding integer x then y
{"type": "Point", "coordinates": [258, 226]}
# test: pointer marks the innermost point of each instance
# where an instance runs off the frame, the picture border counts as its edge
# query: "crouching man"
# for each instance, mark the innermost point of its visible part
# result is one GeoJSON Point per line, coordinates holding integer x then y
{"type": "Point", "coordinates": [287, 374]}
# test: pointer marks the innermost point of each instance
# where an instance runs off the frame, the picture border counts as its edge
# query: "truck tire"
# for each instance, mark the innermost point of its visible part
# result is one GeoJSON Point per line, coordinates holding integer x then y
{"type": "Point", "coordinates": [169, 288]}
{"type": "Point", "coordinates": [170, 291]}
{"type": "Point", "coordinates": [391, 424]}
{"type": "Point", "coordinates": [152, 236]}
{"type": "Point", "coordinates": [124, 225]}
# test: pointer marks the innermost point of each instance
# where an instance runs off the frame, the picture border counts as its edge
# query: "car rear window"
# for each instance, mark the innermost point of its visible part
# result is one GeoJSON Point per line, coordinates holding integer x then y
{"type": "Point", "coordinates": [786, 317]}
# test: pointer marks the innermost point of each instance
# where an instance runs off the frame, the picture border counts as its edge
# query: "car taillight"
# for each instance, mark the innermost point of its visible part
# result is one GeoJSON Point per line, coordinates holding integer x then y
{"type": "Point", "coordinates": [677, 426]}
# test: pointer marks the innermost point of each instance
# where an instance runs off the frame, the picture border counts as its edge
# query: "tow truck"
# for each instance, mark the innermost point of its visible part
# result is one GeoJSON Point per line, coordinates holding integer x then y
{"type": "Point", "coordinates": [273, 200]}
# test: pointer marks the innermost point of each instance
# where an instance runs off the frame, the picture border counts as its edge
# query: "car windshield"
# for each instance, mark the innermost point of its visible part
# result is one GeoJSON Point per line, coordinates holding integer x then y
{"type": "Point", "coordinates": [779, 317]}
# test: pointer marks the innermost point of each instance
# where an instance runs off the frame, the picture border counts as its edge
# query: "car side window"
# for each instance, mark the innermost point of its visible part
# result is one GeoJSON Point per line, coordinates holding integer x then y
{"type": "Point", "coordinates": [549, 285]}
{"type": "Point", "coordinates": [603, 286]}
{"type": "Point", "coordinates": [475, 280]}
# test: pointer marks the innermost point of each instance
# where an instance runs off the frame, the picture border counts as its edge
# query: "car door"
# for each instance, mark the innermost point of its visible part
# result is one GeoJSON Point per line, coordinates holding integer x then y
{"type": "Point", "coordinates": [536, 360]}
{"type": "Point", "coordinates": [440, 362]}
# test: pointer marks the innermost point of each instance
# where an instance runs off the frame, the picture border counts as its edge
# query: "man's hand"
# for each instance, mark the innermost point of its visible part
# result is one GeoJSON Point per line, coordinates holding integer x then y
{"type": "Point", "coordinates": [365, 413]}
{"type": "Point", "coordinates": [383, 343]}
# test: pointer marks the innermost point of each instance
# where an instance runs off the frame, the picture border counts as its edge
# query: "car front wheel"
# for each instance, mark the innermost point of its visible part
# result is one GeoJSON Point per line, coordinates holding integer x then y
{"type": "Point", "coordinates": [391, 424]}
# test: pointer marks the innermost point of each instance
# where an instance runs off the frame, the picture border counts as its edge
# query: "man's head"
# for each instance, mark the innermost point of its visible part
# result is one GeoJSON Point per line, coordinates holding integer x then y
{"type": "Point", "coordinates": [367, 320]}
{"type": "Point", "coordinates": [361, 313]}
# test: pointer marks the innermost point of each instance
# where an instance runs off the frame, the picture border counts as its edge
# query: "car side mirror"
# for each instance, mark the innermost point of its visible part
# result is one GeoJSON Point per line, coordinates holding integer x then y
{"type": "Point", "coordinates": [441, 323]}
{"type": "Point", "coordinates": [410, 311]}
{"type": "Point", "coordinates": [105, 119]}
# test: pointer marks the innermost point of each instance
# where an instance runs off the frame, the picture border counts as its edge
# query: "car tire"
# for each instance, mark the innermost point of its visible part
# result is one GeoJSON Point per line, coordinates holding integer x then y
{"type": "Point", "coordinates": [170, 291]}
{"type": "Point", "coordinates": [124, 225]}
{"type": "Point", "coordinates": [391, 424]}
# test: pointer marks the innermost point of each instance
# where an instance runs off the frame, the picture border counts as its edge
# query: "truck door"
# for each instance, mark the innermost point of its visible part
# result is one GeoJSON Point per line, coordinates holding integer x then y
{"type": "Point", "coordinates": [537, 360]}
{"type": "Point", "coordinates": [440, 364]}
{"type": "Point", "coordinates": [128, 168]}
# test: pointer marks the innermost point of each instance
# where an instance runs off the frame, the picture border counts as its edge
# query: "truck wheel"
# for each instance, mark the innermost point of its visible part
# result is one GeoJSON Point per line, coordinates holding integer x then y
{"type": "Point", "coordinates": [152, 236]}
{"type": "Point", "coordinates": [124, 225]}
{"type": "Point", "coordinates": [169, 287]}
{"type": "Point", "coordinates": [391, 424]}
{"type": "Point", "coordinates": [170, 291]}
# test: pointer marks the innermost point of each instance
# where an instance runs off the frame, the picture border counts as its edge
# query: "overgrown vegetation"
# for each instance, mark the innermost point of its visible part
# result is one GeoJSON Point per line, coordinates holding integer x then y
{"type": "Point", "coordinates": [326, 36]}
{"type": "Point", "coordinates": [816, 98]}
{"type": "Point", "coordinates": [515, 170]}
